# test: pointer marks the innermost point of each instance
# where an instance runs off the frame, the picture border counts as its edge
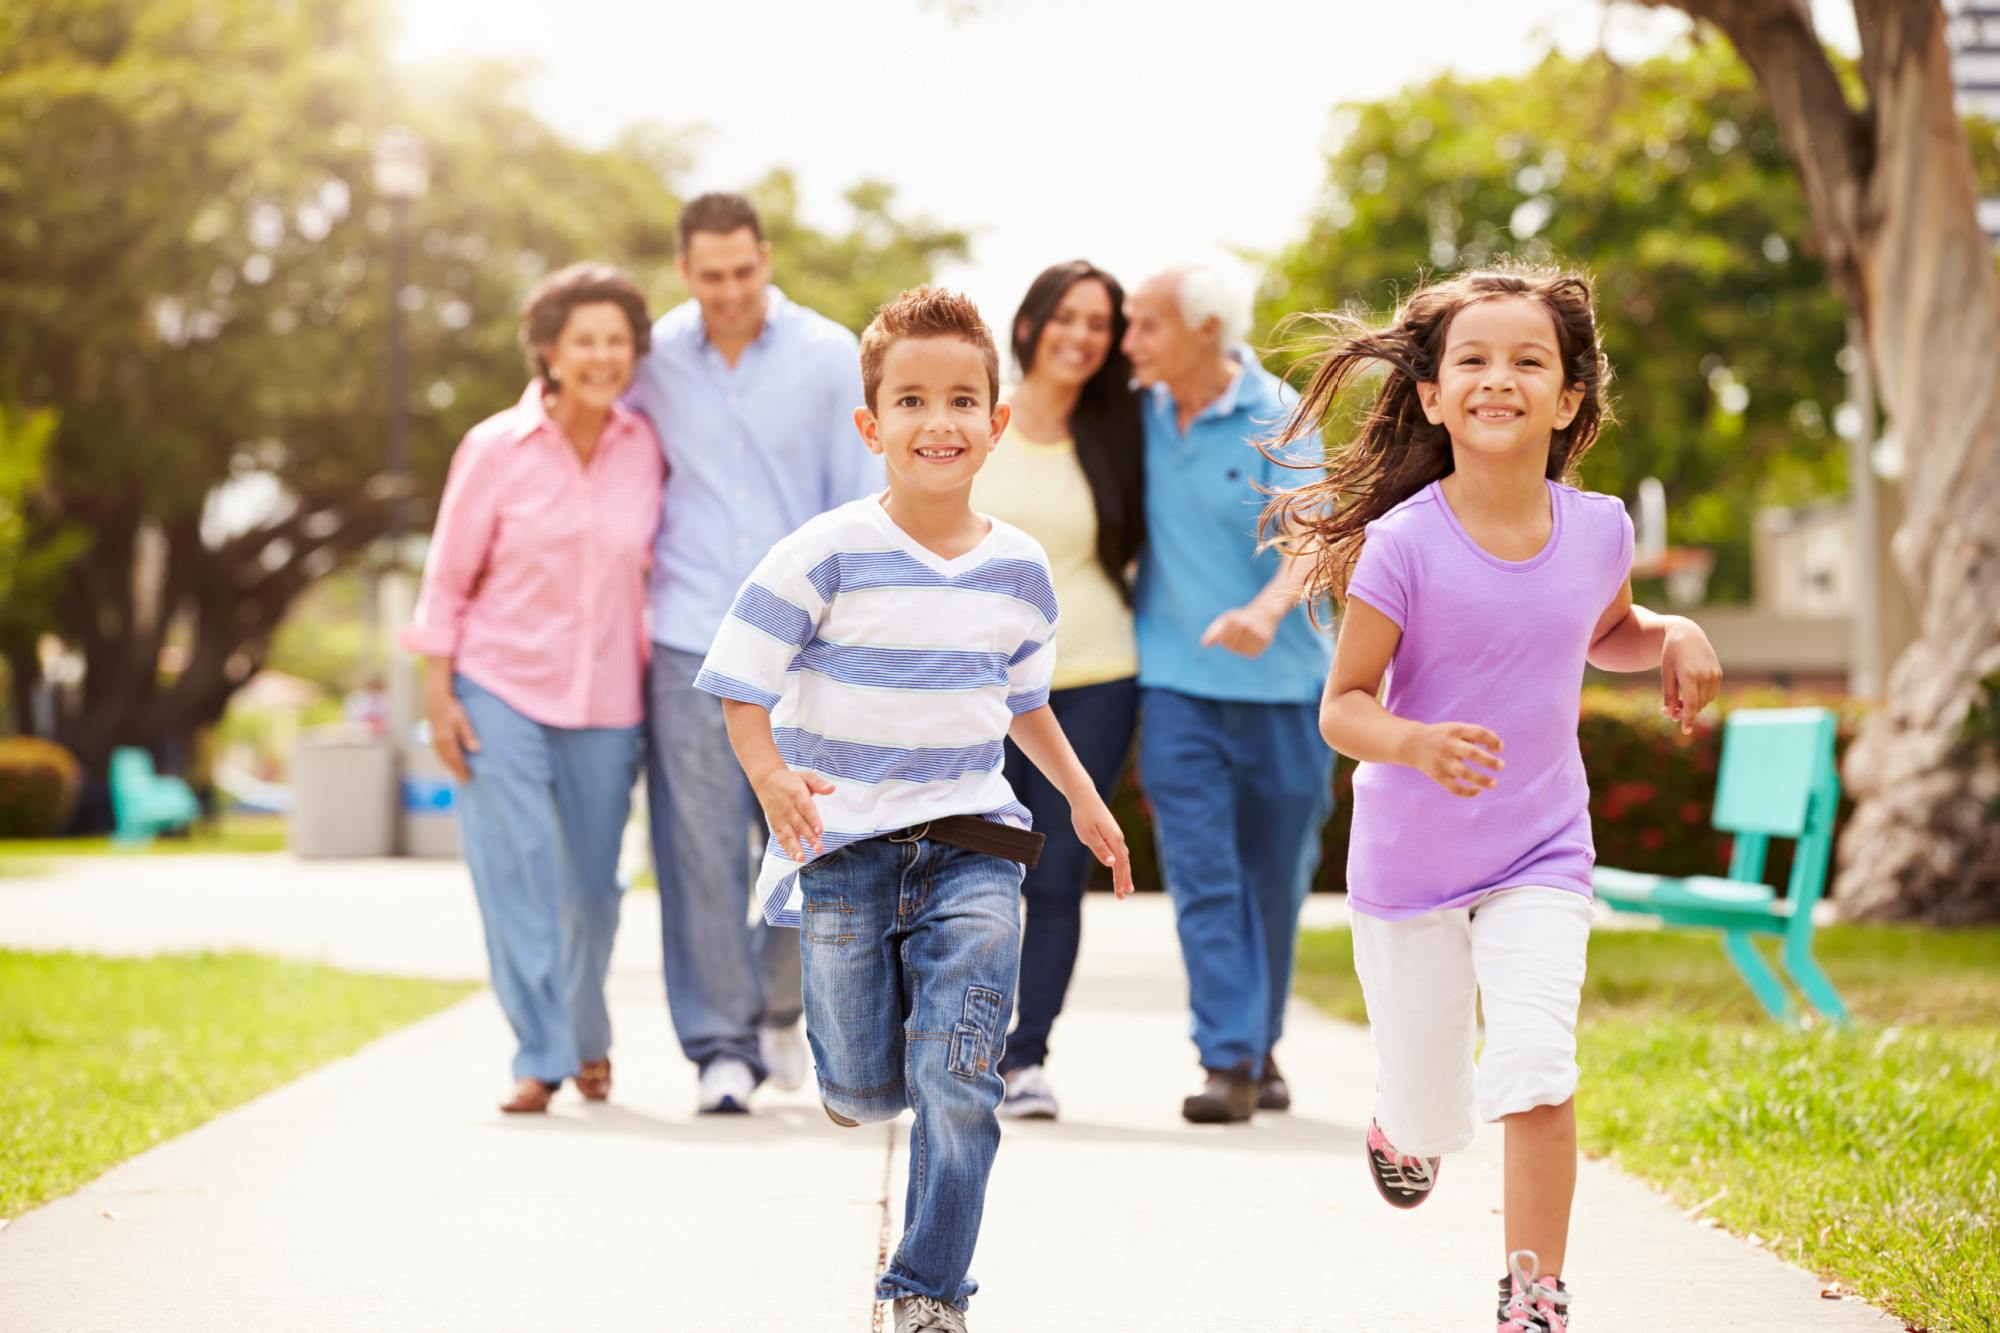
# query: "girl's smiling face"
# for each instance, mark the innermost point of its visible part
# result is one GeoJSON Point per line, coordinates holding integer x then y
{"type": "Point", "coordinates": [1500, 385]}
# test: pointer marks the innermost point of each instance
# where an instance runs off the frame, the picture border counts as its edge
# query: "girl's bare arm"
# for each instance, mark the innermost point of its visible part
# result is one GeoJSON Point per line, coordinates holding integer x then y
{"type": "Point", "coordinates": [1461, 757]}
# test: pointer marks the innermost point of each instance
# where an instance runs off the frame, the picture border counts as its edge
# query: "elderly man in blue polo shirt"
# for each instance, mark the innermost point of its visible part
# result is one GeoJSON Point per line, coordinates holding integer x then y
{"type": "Point", "coordinates": [1230, 674]}
{"type": "Point", "coordinates": [753, 398]}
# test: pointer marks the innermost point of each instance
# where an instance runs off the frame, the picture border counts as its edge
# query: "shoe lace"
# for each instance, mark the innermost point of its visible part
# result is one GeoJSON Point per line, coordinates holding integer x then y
{"type": "Point", "coordinates": [1535, 1305]}
{"type": "Point", "coordinates": [1399, 1169]}
{"type": "Point", "coordinates": [932, 1313]}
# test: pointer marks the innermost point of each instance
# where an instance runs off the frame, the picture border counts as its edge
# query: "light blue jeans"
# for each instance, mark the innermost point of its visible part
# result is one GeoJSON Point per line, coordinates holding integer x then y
{"type": "Point", "coordinates": [1240, 792]}
{"type": "Point", "coordinates": [724, 976]}
{"type": "Point", "coordinates": [542, 816]}
{"type": "Point", "coordinates": [910, 954]}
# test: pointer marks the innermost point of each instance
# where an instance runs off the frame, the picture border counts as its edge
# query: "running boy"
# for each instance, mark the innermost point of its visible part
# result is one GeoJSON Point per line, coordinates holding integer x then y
{"type": "Point", "coordinates": [870, 669]}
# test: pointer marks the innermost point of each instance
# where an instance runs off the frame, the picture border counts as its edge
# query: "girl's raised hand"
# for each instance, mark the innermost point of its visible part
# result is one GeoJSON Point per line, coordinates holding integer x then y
{"type": "Point", "coordinates": [1690, 673]}
{"type": "Point", "coordinates": [1461, 757]}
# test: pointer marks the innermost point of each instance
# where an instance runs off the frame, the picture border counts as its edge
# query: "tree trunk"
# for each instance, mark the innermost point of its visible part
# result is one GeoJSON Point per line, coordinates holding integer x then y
{"type": "Point", "coordinates": [1894, 209]}
{"type": "Point", "coordinates": [231, 597]}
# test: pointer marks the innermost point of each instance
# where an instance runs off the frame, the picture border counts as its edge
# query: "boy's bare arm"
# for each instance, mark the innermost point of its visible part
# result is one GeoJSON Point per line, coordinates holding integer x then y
{"type": "Point", "coordinates": [786, 796]}
{"type": "Point", "coordinates": [1041, 738]}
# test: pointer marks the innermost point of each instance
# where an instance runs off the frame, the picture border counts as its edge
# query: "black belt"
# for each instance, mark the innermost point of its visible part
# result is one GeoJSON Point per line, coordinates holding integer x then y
{"type": "Point", "coordinates": [977, 835]}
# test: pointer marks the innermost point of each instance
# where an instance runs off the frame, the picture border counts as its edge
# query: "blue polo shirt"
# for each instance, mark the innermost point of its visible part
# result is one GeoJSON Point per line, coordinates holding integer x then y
{"type": "Point", "coordinates": [1201, 556]}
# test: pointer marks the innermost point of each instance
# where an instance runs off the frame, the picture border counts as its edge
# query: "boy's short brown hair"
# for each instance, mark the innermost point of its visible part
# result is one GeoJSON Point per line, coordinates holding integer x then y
{"type": "Point", "coordinates": [926, 312]}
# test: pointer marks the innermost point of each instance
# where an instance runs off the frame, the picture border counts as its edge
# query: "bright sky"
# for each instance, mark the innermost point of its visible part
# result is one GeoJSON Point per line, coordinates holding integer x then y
{"type": "Point", "coordinates": [1134, 135]}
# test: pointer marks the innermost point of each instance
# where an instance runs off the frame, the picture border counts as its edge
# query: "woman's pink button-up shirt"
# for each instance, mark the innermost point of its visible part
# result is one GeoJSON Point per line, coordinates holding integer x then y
{"type": "Point", "coordinates": [536, 582]}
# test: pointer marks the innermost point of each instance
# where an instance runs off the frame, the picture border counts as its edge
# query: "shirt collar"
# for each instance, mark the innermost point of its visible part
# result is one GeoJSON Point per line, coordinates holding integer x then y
{"type": "Point", "coordinates": [532, 415]}
{"type": "Point", "coordinates": [777, 310]}
{"type": "Point", "coordinates": [1225, 403]}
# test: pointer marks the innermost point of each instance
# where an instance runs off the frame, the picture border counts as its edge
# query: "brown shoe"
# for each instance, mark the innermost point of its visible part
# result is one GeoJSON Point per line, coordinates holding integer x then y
{"type": "Point", "coordinates": [1273, 1093]}
{"type": "Point", "coordinates": [1228, 1099]}
{"type": "Point", "coordinates": [531, 1097]}
{"type": "Point", "coordinates": [593, 1079]}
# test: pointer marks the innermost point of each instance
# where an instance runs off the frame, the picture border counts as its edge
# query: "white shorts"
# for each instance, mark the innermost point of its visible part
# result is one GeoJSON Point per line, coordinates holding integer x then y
{"type": "Point", "coordinates": [1519, 954]}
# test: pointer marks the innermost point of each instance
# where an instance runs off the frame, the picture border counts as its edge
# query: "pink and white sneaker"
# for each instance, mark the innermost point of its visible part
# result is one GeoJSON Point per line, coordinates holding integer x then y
{"type": "Point", "coordinates": [1403, 1181]}
{"type": "Point", "coordinates": [1529, 1305]}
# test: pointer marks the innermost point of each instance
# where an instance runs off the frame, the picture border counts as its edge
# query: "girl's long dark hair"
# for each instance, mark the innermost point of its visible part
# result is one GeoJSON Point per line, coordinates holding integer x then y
{"type": "Point", "coordinates": [1397, 452]}
{"type": "Point", "coordinates": [1110, 438]}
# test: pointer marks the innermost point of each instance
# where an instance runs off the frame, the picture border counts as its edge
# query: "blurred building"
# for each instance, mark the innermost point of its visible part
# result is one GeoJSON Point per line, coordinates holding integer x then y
{"type": "Point", "coordinates": [1805, 626]}
{"type": "Point", "coordinates": [1973, 33]}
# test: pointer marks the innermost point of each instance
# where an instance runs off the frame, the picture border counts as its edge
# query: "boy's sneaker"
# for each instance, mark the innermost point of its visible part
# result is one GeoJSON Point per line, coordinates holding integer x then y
{"type": "Point", "coordinates": [837, 1118]}
{"type": "Point", "coordinates": [1028, 1096]}
{"type": "Point", "coordinates": [1403, 1181]}
{"type": "Point", "coordinates": [917, 1313]}
{"type": "Point", "coordinates": [1528, 1305]}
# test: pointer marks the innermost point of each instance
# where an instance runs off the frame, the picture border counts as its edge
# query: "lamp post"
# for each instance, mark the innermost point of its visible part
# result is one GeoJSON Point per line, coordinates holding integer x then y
{"type": "Point", "coordinates": [402, 174]}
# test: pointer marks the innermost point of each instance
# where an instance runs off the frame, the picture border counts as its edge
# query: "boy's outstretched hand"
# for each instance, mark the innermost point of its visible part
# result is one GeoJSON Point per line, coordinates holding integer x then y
{"type": "Point", "coordinates": [1097, 830]}
{"type": "Point", "coordinates": [1690, 673]}
{"type": "Point", "coordinates": [789, 808]}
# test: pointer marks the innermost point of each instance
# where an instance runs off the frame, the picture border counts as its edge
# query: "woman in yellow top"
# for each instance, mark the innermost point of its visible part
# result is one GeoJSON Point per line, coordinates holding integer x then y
{"type": "Point", "coordinates": [1071, 473]}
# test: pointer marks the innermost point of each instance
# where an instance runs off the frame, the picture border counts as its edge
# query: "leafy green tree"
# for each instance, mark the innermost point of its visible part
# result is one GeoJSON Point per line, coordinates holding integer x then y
{"type": "Point", "coordinates": [1891, 178]}
{"type": "Point", "coordinates": [193, 271]}
{"type": "Point", "coordinates": [1669, 182]}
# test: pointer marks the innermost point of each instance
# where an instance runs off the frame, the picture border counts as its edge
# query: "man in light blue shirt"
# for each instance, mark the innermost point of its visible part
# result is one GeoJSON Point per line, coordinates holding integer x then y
{"type": "Point", "coordinates": [753, 398]}
{"type": "Point", "coordinates": [1230, 675]}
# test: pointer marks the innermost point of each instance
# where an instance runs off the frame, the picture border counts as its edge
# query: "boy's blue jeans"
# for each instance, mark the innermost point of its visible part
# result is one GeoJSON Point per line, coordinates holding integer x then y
{"type": "Point", "coordinates": [541, 818]}
{"type": "Point", "coordinates": [910, 953]}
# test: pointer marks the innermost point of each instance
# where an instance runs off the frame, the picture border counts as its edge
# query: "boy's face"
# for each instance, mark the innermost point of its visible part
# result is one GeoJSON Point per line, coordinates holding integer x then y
{"type": "Point", "coordinates": [934, 421]}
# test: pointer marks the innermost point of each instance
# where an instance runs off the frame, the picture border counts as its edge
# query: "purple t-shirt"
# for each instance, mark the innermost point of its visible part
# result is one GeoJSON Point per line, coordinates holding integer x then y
{"type": "Point", "coordinates": [1499, 643]}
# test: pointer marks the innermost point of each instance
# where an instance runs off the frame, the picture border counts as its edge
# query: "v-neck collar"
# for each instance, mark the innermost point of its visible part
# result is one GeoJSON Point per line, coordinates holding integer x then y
{"type": "Point", "coordinates": [895, 533]}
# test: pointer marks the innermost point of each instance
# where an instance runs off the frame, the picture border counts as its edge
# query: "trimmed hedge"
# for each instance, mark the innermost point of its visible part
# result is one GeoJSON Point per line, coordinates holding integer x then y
{"type": "Point", "coordinates": [1650, 790]}
{"type": "Point", "coordinates": [38, 787]}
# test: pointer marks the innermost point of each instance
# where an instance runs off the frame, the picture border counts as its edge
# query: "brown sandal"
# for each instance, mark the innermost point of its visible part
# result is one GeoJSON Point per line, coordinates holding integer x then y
{"type": "Point", "coordinates": [593, 1079]}
{"type": "Point", "coordinates": [531, 1096]}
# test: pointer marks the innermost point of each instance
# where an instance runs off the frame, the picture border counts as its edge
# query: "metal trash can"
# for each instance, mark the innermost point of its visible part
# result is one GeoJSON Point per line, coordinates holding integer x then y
{"type": "Point", "coordinates": [344, 795]}
{"type": "Point", "coordinates": [427, 805]}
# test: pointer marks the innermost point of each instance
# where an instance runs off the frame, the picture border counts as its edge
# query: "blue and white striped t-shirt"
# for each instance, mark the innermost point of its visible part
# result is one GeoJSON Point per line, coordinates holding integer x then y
{"type": "Point", "coordinates": [890, 671]}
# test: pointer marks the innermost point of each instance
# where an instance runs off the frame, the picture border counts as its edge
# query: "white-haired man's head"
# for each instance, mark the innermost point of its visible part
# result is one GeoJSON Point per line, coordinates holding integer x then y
{"type": "Point", "coordinates": [1183, 319]}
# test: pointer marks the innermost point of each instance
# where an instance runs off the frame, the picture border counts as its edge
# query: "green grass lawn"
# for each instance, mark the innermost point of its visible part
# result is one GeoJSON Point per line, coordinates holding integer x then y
{"type": "Point", "coordinates": [101, 1058]}
{"type": "Point", "coordinates": [226, 833]}
{"type": "Point", "coordinates": [1870, 1154]}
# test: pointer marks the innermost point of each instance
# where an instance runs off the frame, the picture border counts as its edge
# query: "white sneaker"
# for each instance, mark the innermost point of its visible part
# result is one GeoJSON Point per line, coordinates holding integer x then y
{"type": "Point", "coordinates": [726, 1086]}
{"type": "Point", "coordinates": [785, 1057]}
{"type": "Point", "coordinates": [1028, 1096]}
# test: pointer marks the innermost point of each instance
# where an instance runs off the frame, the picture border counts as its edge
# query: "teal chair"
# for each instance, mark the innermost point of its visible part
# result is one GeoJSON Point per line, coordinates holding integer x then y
{"type": "Point", "coordinates": [1778, 780]}
{"type": "Point", "coordinates": [144, 802]}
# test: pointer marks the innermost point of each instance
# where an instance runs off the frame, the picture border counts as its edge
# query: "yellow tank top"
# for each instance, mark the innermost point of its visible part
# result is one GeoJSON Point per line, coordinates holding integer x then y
{"type": "Point", "coordinates": [1041, 489]}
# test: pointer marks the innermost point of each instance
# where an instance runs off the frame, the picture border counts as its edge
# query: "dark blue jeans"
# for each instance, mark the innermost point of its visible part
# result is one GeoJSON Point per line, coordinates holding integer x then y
{"type": "Point", "coordinates": [1098, 721]}
{"type": "Point", "coordinates": [1239, 792]}
{"type": "Point", "coordinates": [909, 953]}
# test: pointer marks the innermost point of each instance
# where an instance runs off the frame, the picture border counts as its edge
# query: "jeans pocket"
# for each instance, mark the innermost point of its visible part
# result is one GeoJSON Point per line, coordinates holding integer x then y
{"type": "Point", "coordinates": [975, 1037]}
{"type": "Point", "coordinates": [828, 919]}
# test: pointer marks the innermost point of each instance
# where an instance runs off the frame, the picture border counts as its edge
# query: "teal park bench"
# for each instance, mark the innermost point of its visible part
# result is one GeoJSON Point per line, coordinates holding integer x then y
{"type": "Point", "coordinates": [144, 802]}
{"type": "Point", "coordinates": [1778, 780]}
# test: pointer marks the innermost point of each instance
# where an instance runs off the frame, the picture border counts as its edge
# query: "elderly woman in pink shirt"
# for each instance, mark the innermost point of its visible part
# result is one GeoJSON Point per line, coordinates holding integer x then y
{"type": "Point", "coordinates": [531, 624]}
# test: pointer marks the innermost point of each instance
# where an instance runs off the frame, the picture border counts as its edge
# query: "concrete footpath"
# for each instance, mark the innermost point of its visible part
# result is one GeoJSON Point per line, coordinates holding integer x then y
{"type": "Point", "coordinates": [384, 1192]}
